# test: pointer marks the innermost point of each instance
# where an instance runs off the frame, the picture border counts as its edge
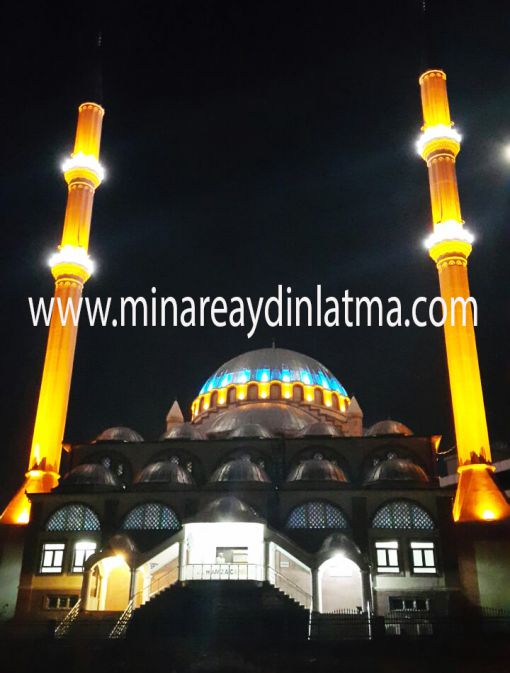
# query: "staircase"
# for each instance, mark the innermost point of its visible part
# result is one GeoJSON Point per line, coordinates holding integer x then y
{"type": "Point", "coordinates": [219, 611]}
{"type": "Point", "coordinates": [93, 625]}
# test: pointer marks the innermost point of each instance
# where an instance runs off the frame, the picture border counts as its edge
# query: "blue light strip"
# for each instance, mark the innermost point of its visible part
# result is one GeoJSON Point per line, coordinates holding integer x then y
{"type": "Point", "coordinates": [263, 375]}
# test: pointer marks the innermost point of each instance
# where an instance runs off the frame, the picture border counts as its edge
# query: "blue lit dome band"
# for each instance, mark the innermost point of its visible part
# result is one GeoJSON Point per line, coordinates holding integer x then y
{"type": "Point", "coordinates": [274, 373]}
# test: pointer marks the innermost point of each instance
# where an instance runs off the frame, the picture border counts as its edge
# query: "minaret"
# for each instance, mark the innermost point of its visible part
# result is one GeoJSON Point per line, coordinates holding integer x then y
{"type": "Point", "coordinates": [478, 497]}
{"type": "Point", "coordinates": [71, 266]}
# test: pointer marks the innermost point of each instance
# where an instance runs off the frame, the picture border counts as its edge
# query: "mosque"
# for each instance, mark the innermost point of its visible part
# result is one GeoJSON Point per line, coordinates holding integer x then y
{"type": "Point", "coordinates": [273, 506]}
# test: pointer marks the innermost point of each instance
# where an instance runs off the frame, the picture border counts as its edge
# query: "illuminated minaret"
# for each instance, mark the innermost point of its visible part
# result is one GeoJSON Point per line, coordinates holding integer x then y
{"type": "Point", "coordinates": [71, 266]}
{"type": "Point", "coordinates": [478, 497]}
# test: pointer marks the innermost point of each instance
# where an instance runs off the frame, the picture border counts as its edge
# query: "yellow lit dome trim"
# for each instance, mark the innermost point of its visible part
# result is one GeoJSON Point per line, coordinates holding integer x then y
{"type": "Point", "coordinates": [293, 392]}
{"type": "Point", "coordinates": [271, 374]}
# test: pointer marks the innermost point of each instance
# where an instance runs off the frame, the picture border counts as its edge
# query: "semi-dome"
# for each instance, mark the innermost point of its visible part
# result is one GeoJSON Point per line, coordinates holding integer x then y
{"type": "Point", "coordinates": [164, 472]}
{"type": "Point", "coordinates": [392, 468]}
{"type": "Point", "coordinates": [273, 364]}
{"type": "Point", "coordinates": [183, 431]}
{"type": "Point", "coordinates": [90, 475]}
{"type": "Point", "coordinates": [321, 429]}
{"type": "Point", "coordinates": [251, 431]}
{"type": "Point", "coordinates": [241, 469]}
{"type": "Point", "coordinates": [317, 469]}
{"type": "Point", "coordinates": [227, 508]}
{"type": "Point", "coordinates": [119, 434]}
{"type": "Point", "coordinates": [342, 545]}
{"type": "Point", "coordinates": [388, 427]}
{"type": "Point", "coordinates": [277, 418]}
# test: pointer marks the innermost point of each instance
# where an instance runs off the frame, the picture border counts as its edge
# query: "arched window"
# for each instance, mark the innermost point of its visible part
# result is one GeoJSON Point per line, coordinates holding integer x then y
{"type": "Point", "coordinates": [317, 515]}
{"type": "Point", "coordinates": [334, 399]}
{"type": "Point", "coordinates": [151, 516]}
{"type": "Point", "coordinates": [73, 517]}
{"type": "Point", "coordinates": [231, 395]}
{"type": "Point", "coordinates": [253, 391]}
{"type": "Point", "coordinates": [297, 393]}
{"type": "Point", "coordinates": [402, 514]}
{"type": "Point", "coordinates": [275, 392]}
{"type": "Point", "coordinates": [214, 400]}
{"type": "Point", "coordinates": [317, 396]}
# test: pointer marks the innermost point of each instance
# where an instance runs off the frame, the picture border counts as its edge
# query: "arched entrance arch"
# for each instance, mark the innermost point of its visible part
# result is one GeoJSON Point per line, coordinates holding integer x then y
{"type": "Point", "coordinates": [340, 585]}
{"type": "Point", "coordinates": [108, 584]}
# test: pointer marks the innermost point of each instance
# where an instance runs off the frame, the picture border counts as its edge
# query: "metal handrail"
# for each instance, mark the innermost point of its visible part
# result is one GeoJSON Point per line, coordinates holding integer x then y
{"type": "Point", "coordinates": [307, 597]}
{"type": "Point", "coordinates": [121, 624]}
{"type": "Point", "coordinates": [243, 571]}
{"type": "Point", "coordinates": [63, 627]}
{"type": "Point", "coordinates": [222, 571]}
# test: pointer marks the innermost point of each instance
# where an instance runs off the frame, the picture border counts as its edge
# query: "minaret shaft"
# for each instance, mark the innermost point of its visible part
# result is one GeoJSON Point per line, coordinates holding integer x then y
{"type": "Point", "coordinates": [71, 267]}
{"type": "Point", "coordinates": [478, 497]}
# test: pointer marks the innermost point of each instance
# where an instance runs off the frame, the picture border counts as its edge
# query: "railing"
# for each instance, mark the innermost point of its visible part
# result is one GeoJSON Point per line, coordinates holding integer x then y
{"type": "Point", "coordinates": [223, 571]}
{"type": "Point", "coordinates": [119, 630]}
{"type": "Point", "coordinates": [62, 629]}
{"type": "Point", "coordinates": [246, 571]}
{"type": "Point", "coordinates": [289, 587]}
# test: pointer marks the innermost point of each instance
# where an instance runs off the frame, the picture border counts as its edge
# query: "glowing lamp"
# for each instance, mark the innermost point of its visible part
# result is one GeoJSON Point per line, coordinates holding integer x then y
{"type": "Point", "coordinates": [448, 231]}
{"type": "Point", "coordinates": [23, 517]}
{"type": "Point", "coordinates": [72, 255]}
{"type": "Point", "coordinates": [437, 132]}
{"type": "Point", "coordinates": [488, 515]}
{"type": "Point", "coordinates": [86, 162]}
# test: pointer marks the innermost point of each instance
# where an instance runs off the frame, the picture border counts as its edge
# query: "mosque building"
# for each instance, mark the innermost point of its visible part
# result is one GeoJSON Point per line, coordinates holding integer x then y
{"type": "Point", "coordinates": [274, 497]}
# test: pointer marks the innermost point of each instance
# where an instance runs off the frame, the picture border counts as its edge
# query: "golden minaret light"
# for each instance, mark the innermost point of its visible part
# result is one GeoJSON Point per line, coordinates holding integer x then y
{"type": "Point", "coordinates": [478, 498]}
{"type": "Point", "coordinates": [71, 266]}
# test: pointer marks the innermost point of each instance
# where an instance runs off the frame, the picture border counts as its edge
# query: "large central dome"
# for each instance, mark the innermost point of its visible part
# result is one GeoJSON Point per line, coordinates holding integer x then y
{"type": "Point", "coordinates": [273, 364]}
{"type": "Point", "coordinates": [269, 380]}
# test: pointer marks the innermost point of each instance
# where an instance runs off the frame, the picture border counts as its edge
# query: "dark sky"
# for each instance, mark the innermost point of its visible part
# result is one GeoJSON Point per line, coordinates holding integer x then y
{"type": "Point", "coordinates": [250, 144]}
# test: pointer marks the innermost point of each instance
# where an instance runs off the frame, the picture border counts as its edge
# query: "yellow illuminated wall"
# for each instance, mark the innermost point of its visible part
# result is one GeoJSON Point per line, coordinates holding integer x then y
{"type": "Point", "coordinates": [71, 267]}
{"type": "Point", "coordinates": [478, 497]}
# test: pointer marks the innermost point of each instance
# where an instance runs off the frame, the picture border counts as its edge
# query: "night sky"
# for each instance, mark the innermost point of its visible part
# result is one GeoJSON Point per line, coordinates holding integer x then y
{"type": "Point", "coordinates": [250, 144]}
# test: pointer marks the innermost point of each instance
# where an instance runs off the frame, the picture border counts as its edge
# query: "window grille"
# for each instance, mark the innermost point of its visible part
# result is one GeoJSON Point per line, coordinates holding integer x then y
{"type": "Point", "coordinates": [73, 517]}
{"type": "Point", "coordinates": [403, 515]}
{"type": "Point", "coordinates": [151, 516]}
{"type": "Point", "coordinates": [317, 515]}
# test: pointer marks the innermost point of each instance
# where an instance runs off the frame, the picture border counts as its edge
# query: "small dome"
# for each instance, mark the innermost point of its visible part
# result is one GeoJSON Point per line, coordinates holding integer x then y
{"type": "Point", "coordinates": [250, 431]}
{"type": "Point", "coordinates": [394, 468]}
{"type": "Point", "coordinates": [240, 469]}
{"type": "Point", "coordinates": [276, 417]}
{"type": "Point", "coordinates": [341, 544]}
{"type": "Point", "coordinates": [321, 429]}
{"type": "Point", "coordinates": [227, 508]}
{"type": "Point", "coordinates": [119, 434]}
{"type": "Point", "coordinates": [388, 427]}
{"type": "Point", "coordinates": [183, 431]}
{"type": "Point", "coordinates": [317, 469]}
{"type": "Point", "coordinates": [121, 543]}
{"type": "Point", "coordinates": [164, 472]}
{"type": "Point", "coordinates": [90, 475]}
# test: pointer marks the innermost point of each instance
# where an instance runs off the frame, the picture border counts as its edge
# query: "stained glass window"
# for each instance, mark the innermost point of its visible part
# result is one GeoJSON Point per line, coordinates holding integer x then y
{"type": "Point", "coordinates": [73, 517]}
{"type": "Point", "coordinates": [317, 515]}
{"type": "Point", "coordinates": [402, 514]}
{"type": "Point", "coordinates": [151, 516]}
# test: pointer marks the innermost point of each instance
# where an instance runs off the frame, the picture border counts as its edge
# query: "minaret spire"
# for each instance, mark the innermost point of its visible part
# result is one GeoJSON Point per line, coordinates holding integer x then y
{"type": "Point", "coordinates": [478, 497]}
{"type": "Point", "coordinates": [71, 266]}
